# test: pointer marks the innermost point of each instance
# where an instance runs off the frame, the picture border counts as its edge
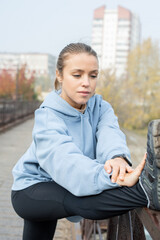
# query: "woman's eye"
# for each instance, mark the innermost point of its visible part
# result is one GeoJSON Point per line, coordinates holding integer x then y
{"type": "Point", "coordinates": [93, 76]}
{"type": "Point", "coordinates": [76, 75]}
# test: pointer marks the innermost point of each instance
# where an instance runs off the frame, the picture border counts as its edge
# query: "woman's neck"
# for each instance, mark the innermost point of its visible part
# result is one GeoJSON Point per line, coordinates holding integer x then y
{"type": "Point", "coordinates": [82, 107]}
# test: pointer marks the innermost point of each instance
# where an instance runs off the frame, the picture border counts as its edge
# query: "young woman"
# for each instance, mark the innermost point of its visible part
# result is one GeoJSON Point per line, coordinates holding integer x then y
{"type": "Point", "coordinates": [78, 164]}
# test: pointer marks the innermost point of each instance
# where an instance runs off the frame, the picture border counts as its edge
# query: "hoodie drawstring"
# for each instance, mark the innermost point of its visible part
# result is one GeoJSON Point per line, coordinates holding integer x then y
{"type": "Point", "coordinates": [82, 131]}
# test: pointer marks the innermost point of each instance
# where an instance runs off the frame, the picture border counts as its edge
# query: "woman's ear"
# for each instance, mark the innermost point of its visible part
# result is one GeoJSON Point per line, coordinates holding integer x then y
{"type": "Point", "coordinates": [58, 76]}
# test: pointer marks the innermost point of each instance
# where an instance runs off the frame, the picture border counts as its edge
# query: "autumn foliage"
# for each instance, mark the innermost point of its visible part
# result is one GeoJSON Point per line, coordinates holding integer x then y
{"type": "Point", "coordinates": [7, 85]}
{"type": "Point", "coordinates": [135, 98]}
{"type": "Point", "coordinates": [17, 86]}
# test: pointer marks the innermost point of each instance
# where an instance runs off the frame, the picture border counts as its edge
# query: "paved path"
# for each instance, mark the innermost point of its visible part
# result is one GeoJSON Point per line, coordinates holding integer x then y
{"type": "Point", "coordinates": [13, 144]}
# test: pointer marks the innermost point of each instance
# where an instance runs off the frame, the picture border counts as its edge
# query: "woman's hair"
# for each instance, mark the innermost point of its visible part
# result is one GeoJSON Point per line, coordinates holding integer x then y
{"type": "Point", "coordinates": [72, 48]}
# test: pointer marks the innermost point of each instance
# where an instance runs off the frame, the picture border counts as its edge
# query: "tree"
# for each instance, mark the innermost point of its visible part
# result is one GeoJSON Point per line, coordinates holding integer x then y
{"type": "Point", "coordinates": [142, 85]}
{"type": "Point", "coordinates": [109, 87]}
{"type": "Point", "coordinates": [19, 86]}
{"type": "Point", "coordinates": [135, 98]}
{"type": "Point", "coordinates": [7, 85]}
{"type": "Point", "coordinates": [25, 88]}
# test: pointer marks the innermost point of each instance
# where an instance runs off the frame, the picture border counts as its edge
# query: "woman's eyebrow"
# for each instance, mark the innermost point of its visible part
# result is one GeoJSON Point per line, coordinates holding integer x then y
{"type": "Point", "coordinates": [94, 71]}
{"type": "Point", "coordinates": [77, 70]}
{"type": "Point", "coordinates": [80, 70]}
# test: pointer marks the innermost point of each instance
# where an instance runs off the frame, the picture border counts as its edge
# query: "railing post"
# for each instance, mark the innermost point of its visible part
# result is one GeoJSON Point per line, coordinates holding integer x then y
{"type": "Point", "coordinates": [138, 229]}
{"type": "Point", "coordinates": [125, 227]}
{"type": "Point", "coordinates": [112, 228]}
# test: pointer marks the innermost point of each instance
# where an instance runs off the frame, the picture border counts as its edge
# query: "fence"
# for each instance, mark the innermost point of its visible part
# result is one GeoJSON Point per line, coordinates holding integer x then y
{"type": "Point", "coordinates": [11, 111]}
{"type": "Point", "coordinates": [129, 226]}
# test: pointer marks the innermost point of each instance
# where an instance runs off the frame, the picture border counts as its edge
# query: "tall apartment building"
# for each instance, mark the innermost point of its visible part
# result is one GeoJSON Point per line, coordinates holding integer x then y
{"type": "Point", "coordinates": [115, 33]}
{"type": "Point", "coordinates": [43, 65]}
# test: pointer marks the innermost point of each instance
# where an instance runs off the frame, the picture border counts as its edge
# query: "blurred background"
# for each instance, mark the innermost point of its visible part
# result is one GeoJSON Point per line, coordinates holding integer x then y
{"type": "Point", "coordinates": [124, 34]}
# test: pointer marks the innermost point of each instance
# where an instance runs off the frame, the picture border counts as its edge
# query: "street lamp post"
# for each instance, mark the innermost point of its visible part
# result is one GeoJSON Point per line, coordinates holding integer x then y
{"type": "Point", "coordinates": [17, 83]}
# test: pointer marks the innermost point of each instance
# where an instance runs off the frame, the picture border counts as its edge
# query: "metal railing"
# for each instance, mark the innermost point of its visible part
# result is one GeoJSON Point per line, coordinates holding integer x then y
{"type": "Point", "coordinates": [11, 111]}
{"type": "Point", "coordinates": [130, 226]}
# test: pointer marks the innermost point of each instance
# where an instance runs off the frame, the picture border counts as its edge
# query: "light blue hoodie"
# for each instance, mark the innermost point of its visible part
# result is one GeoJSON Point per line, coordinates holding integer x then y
{"type": "Point", "coordinates": [70, 147]}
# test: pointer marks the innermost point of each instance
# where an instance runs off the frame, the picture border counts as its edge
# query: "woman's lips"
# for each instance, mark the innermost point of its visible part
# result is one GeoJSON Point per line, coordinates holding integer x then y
{"type": "Point", "coordinates": [84, 93]}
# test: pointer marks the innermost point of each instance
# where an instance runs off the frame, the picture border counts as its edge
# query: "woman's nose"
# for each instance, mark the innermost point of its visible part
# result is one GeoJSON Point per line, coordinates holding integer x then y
{"type": "Point", "coordinates": [86, 81]}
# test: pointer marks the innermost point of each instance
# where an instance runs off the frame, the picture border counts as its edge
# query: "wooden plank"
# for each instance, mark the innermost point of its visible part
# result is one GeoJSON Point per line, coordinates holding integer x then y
{"type": "Point", "coordinates": [151, 221]}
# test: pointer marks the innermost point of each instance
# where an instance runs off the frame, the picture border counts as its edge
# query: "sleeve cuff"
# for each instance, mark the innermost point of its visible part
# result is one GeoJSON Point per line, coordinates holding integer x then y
{"type": "Point", "coordinates": [124, 157]}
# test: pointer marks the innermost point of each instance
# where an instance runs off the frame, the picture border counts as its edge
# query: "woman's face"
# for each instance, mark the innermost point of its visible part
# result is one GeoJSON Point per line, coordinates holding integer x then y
{"type": "Point", "coordinates": [79, 79]}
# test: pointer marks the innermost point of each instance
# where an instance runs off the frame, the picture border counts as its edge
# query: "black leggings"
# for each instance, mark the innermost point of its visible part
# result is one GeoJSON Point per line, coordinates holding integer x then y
{"type": "Point", "coordinates": [42, 204]}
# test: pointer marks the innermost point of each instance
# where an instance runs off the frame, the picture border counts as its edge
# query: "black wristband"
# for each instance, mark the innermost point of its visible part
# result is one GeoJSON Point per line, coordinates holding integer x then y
{"type": "Point", "coordinates": [122, 156]}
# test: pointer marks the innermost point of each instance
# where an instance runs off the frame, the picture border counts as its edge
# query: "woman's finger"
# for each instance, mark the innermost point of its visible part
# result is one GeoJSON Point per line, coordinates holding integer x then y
{"type": "Point", "coordinates": [140, 167]}
{"type": "Point", "coordinates": [115, 174]}
{"type": "Point", "coordinates": [129, 169]}
{"type": "Point", "coordinates": [122, 172]}
{"type": "Point", "coordinates": [108, 167]}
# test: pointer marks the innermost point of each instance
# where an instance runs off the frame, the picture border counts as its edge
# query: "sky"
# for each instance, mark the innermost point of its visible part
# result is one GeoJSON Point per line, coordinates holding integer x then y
{"type": "Point", "coordinates": [46, 26]}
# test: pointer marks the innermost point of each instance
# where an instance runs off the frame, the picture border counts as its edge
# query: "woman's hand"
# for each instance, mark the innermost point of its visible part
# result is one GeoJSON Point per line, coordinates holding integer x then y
{"type": "Point", "coordinates": [119, 167]}
{"type": "Point", "coordinates": [132, 177]}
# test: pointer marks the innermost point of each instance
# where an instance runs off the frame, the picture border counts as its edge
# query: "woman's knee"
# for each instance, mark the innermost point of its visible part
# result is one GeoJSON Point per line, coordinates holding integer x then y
{"type": "Point", "coordinates": [37, 210]}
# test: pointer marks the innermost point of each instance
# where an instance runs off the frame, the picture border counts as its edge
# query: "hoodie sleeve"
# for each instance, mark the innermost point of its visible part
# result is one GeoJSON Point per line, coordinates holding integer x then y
{"type": "Point", "coordinates": [59, 156]}
{"type": "Point", "coordinates": [111, 141]}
